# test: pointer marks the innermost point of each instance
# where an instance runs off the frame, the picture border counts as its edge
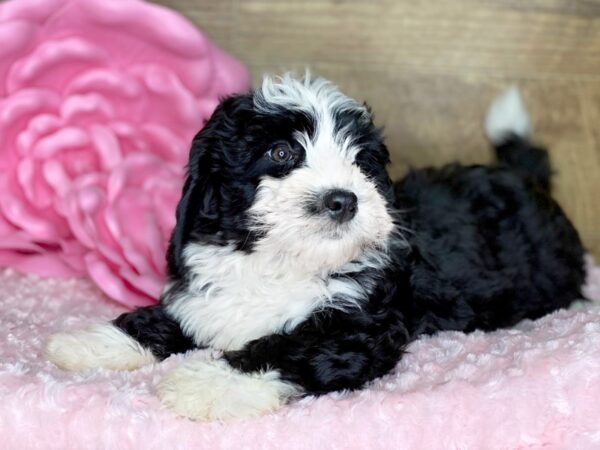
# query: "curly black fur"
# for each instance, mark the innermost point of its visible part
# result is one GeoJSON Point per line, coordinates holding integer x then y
{"type": "Point", "coordinates": [155, 330]}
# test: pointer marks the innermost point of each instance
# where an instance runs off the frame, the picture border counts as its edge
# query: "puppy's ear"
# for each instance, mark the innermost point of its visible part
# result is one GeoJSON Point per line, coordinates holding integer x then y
{"type": "Point", "coordinates": [375, 157]}
{"type": "Point", "coordinates": [382, 176]}
{"type": "Point", "coordinates": [199, 212]}
{"type": "Point", "coordinates": [198, 208]}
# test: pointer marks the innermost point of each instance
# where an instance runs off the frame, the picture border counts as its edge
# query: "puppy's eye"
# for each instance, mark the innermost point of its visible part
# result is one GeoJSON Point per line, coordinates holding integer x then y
{"type": "Point", "coordinates": [281, 152]}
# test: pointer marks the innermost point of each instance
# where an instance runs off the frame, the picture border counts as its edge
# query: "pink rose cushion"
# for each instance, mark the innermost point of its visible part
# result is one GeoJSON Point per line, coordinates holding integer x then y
{"type": "Point", "coordinates": [99, 101]}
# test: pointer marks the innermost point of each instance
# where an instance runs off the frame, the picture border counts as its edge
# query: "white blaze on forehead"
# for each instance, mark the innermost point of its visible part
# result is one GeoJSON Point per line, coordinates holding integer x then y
{"type": "Point", "coordinates": [316, 95]}
{"type": "Point", "coordinates": [319, 99]}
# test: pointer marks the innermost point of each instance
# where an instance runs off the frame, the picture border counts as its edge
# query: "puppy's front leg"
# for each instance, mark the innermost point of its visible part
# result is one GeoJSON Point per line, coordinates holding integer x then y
{"type": "Point", "coordinates": [132, 340]}
{"type": "Point", "coordinates": [319, 356]}
{"type": "Point", "coordinates": [210, 390]}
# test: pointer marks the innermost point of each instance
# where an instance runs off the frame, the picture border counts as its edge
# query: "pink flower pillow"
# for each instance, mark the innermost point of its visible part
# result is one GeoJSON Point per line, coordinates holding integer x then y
{"type": "Point", "coordinates": [99, 101]}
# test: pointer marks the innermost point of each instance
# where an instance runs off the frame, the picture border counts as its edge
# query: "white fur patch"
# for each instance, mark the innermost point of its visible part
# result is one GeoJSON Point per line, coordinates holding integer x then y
{"type": "Point", "coordinates": [213, 390]}
{"type": "Point", "coordinates": [235, 297]}
{"type": "Point", "coordinates": [316, 96]}
{"type": "Point", "coordinates": [507, 115]}
{"type": "Point", "coordinates": [315, 242]}
{"type": "Point", "coordinates": [102, 345]}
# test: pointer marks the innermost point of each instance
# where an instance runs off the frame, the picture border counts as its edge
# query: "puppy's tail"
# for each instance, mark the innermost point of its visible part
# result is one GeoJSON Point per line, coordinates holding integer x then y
{"type": "Point", "coordinates": [508, 128]}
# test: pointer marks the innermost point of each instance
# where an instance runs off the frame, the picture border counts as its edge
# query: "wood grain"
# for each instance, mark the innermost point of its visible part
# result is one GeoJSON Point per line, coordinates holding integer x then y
{"type": "Point", "coordinates": [458, 36]}
{"type": "Point", "coordinates": [430, 68]}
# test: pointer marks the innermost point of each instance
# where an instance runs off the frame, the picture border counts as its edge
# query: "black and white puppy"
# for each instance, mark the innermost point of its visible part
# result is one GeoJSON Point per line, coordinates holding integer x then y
{"type": "Point", "coordinates": [296, 256]}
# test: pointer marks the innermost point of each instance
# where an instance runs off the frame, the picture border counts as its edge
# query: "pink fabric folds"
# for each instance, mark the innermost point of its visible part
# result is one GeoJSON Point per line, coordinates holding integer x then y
{"type": "Point", "coordinates": [99, 100]}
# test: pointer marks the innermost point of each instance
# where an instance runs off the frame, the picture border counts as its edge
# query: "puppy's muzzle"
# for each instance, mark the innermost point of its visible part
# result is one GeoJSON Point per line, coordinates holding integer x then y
{"type": "Point", "coordinates": [339, 204]}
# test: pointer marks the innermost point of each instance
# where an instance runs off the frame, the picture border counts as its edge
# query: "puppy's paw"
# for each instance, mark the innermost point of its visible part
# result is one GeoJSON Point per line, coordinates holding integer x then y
{"type": "Point", "coordinates": [210, 390]}
{"type": "Point", "coordinates": [98, 346]}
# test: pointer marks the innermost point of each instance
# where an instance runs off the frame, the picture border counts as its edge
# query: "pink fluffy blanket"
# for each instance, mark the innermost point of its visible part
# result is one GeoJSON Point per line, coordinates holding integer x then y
{"type": "Point", "coordinates": [534, 386]}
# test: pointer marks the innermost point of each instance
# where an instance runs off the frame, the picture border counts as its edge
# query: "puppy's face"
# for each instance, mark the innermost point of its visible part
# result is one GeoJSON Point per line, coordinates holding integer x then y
{"type": "Point", "coordinates": [295, 170]}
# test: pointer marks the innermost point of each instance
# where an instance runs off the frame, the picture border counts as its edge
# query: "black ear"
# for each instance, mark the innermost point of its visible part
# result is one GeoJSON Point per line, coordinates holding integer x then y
{"type": "Point", "coordinates": [198, 210]}
{"type": "Point", "coordinates": [382, 176]}
{"type": "Point", "coordinates": [375, 156]}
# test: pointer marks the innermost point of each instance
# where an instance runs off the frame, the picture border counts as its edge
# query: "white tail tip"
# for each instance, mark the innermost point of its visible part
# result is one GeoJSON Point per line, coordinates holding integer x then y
{"type": "Point", "coordinates": [507, 115]}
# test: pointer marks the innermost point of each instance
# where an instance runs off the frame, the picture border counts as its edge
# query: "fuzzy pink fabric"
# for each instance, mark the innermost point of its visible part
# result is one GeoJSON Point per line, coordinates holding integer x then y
{"type": "Point", "coordinates": [99, 101]}
{"type": "Point", "coordinates": [532, 387]}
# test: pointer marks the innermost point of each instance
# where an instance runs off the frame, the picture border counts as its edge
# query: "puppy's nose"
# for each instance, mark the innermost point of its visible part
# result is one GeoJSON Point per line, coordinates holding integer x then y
{"type": "Point", "coordinates": [340, 205]}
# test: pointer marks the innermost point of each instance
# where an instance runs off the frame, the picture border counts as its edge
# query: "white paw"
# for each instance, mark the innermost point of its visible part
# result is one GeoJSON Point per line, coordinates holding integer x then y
{"type": "Point", "coordinates": [209, 390]}
{"type": "Point", "coordinates": [102, 345]}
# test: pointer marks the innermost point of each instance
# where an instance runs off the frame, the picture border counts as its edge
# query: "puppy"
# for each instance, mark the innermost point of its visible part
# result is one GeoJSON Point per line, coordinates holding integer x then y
{"type": "Point", "coordinates": [296, 256]}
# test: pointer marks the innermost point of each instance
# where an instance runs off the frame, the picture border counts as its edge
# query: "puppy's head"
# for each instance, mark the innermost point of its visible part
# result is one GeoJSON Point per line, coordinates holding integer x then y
{"type": "Point", "coordinates": [294, 169]}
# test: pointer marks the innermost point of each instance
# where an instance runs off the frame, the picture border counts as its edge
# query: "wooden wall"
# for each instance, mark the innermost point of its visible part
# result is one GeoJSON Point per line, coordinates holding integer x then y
{"type": "Point", "coordinates": [430, 68]}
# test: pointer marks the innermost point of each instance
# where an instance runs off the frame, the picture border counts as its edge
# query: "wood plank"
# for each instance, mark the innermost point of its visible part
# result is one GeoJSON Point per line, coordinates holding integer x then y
{"type": "Point", "coordinates": [587, 172]}
{"type": "Point", "coordinates": [214, 18]}
{"type": "Point", "coordinates": [459, 36]}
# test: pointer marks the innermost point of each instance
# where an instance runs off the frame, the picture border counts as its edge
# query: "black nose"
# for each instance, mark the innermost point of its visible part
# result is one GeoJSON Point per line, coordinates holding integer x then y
{"type": "Point", "coordinates": [340, 205]}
